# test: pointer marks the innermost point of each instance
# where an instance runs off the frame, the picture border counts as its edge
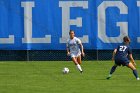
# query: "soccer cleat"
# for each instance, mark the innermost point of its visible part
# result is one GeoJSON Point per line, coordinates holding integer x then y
{"type": "Point", "coordinates": [138, 78]}
{"type": "Point", "coordinates": [81, 72]}
{"type": "Point", "coordinates": [108, 77]}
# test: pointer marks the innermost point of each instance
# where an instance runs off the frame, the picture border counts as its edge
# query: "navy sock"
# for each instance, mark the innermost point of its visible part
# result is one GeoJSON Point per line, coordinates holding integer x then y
{"type": "Point", "coordinates": [135, 73]}
{"type": "Point", "coordinates": [113, 69]}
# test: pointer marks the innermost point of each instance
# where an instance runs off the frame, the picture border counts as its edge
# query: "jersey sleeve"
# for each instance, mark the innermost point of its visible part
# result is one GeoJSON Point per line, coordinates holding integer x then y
{"type": "Point", "coordinates": [78, 41]}
{"type": "Point", "coordinates": [129, 50]}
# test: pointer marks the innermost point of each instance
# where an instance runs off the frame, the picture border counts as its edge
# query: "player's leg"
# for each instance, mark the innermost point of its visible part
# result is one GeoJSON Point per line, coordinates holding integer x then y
{"type": "Point", "coordinates": [74, 59]}
{"type": "Point", "coordinates": [79, 62]}
{"type": "Point", "coordinates": [132, 67]}
{"type": "Point", "coordinates": [112, 70]}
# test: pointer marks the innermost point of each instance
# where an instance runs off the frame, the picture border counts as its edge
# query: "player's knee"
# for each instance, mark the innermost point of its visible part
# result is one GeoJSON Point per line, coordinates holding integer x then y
{"type": "Point", "coordinates": [130, 65]}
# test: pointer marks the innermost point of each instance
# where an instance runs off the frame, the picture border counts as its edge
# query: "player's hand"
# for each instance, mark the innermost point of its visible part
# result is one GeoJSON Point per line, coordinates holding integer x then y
{"type": "Point", "coordinates": [83, 54]}
{"type": "Point", "coordinates": [68, 53]}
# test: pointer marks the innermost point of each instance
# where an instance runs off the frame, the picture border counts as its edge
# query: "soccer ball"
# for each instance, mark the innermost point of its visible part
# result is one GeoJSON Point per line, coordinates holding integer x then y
{"type": "Point", "coordinates": [65, 70]}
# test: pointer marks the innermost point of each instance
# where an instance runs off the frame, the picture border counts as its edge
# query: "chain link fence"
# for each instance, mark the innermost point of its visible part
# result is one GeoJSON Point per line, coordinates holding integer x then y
{"type": "Point", "coordinates": [56, 55]}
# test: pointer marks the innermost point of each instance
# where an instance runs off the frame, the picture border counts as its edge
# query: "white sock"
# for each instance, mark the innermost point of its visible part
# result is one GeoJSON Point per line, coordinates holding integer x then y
{"type": "Point", "coordinates": [110, 75]}
{"type": "Point", "coordinates": [79, 67]}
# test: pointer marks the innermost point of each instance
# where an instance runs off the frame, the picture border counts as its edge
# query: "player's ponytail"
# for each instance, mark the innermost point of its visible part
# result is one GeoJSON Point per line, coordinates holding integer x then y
{"type": "Point", "coordinates": [126, 39]}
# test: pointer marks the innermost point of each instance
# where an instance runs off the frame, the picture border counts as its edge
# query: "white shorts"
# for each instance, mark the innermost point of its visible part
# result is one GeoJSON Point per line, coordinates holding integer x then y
{"type": "Point", "coordinates": [75, 54]}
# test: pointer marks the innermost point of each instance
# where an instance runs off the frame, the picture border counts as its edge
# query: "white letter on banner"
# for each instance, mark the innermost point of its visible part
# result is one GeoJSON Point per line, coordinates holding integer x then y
{"type": "Point", "coordinates": [102, 21]}
{"type": "Point", "coordinates": [9, 40]}
{"type": "Point", "coordinates": [66, 21]}
{"type": "Point", "coordinates": [138, 4]}
{"type": "Point", "coordinates": [28, 25]}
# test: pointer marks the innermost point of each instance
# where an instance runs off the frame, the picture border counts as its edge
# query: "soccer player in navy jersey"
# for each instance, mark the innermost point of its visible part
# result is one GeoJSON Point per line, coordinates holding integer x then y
{"type": "Point", "coordinates": [120, 57]}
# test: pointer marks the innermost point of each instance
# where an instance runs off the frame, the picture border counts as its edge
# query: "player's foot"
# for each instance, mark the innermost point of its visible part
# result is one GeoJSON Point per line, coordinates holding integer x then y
{"type": "Point", "coordinates": [81, 72]}
{"type": "Point", "coordinates": [138, 78]}
{"type": "Point", "coordinates": [108, 77]}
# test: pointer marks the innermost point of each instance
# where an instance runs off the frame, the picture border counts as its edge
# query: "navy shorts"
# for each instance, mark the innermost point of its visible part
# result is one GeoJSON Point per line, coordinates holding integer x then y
{"type": "Point", "coordinates": [122, 61]}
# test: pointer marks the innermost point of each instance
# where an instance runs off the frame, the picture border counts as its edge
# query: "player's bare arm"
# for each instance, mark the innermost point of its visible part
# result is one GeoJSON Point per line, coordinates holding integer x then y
{"type": "Point", "coordinates": [114, 52]}
{"type": "Point", "coordinates": [68, 51]}
{"type": "Point", "coordinates": [82, 50]}
{"type": "Point", "coordinates": [132, 59]}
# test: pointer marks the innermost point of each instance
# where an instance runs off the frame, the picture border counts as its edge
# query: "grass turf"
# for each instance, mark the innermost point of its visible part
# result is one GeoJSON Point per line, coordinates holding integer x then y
{"type": "Point", "coordinates": [47, 77]}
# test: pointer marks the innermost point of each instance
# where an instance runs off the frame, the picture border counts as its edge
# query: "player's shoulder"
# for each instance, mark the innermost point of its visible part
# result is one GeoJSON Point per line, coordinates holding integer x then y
{"type": "Point", "coordinates": [119, 45]}
{"type": "Point", "coordinates": [129, 46]}
{"type": "Point", "coordinates": [123, 44]}
{"type": "Point", "coordinates": [68, 40]}
{"type": "Point", "coordinates": [126, 45]}
{"type": "Point", "coordinates": [76, 38]}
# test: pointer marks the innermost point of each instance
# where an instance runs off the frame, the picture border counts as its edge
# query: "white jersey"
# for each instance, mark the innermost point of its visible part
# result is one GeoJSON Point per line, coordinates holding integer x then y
{"type": "Point", "coordinates": [73, 45]}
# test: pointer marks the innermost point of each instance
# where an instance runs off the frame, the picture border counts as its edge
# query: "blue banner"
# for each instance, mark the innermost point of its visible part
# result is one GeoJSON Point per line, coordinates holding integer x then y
{"type": "Point", "coordinates": [45, 24]}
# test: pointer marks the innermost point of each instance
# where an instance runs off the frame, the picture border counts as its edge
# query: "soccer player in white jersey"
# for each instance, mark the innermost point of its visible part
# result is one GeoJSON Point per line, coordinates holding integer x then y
{"type": "Point", "coordinates": [75, 49]}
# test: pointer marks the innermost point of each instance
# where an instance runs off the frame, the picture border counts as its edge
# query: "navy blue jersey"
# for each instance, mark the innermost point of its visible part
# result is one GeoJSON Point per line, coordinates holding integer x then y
{"type": "Point", "coordinates": [122, 51]}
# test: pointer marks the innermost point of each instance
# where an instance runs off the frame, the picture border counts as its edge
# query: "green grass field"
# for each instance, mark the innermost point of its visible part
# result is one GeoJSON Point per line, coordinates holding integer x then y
{"type": "Point", "coordinates": [47, 77]}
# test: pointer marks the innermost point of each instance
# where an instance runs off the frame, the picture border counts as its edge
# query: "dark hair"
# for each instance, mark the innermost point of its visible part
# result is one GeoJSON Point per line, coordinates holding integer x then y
{"type": "Point", "coordinates": [71, 31]}
{"type": "Point", "coordinates": [126, 39]}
